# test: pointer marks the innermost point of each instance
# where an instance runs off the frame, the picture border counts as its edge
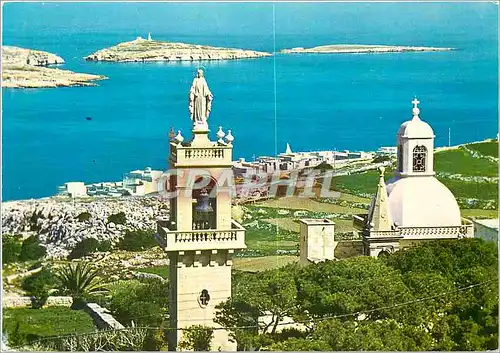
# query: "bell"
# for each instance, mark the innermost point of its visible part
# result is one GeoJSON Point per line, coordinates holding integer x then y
{"type": "Point", "coordinates": [203, 208]}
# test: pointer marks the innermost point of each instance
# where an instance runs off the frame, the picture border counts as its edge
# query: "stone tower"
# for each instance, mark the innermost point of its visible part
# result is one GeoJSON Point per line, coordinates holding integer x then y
{"type": "Point", "coordinates": [317, 240]}
{"type": "Point", "coordinates": [200, 237]}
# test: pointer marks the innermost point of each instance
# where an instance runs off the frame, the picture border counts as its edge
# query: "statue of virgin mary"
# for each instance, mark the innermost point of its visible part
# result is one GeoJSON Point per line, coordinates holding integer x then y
{"type": "Point", "coordinates": [200, 99]}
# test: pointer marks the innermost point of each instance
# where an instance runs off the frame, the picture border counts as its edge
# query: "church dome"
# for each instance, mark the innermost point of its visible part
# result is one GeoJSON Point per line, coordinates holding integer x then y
{"type": "Point", "coordinates": [415, 128]}
{"type": "Point", "coordinates": [422, 202]}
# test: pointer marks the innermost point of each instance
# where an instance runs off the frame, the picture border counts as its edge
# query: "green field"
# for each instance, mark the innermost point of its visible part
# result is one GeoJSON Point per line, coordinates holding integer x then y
{"type": "Point", "coordinates": [50, 321]}
{"type": "Point", "coordinates": [157, 270]}
{"type": "Point", "coordinates": [487, 148]}
{"type": "Point", "coordinates": [459, 161]}
{"type": "Point", "coordinates": [463, 189]}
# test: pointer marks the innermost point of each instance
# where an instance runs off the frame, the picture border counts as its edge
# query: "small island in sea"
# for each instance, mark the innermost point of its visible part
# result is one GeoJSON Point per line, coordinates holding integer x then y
{"type": "Point", "coordinates": [360, 48]}
{"type": "Point", "coordinates": [141, 49]}
{"type": "Point", "coordinates": [27, 68]}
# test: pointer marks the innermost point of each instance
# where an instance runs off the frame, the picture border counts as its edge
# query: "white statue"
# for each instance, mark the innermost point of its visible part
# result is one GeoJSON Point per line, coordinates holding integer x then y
{"type": "Point", "coordinates": [200, 99]}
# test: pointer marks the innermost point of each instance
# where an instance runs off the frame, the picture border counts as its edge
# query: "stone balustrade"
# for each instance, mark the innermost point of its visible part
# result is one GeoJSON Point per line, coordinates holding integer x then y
{"type": "Point", "coordinates": [173, 240]}
{"type": "Point", "coordinates": [187, 155]}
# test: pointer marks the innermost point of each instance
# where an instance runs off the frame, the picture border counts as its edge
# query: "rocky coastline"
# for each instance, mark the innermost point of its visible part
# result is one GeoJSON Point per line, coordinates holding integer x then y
{"type": "Point", "coordinates": [26, 68]}
{"type": "Point", "coordinates": [143, 50]}
{"type": "Point", "coordinates": [360, 49]}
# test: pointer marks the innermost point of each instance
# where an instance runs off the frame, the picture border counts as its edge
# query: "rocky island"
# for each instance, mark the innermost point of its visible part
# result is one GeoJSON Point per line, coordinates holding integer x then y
{"type": "Point", "coordinates": [26, 68]}
{"type": "Point", "coordinates": [360, 49]}
{"type": "Point", "coordinates": [140, 50]}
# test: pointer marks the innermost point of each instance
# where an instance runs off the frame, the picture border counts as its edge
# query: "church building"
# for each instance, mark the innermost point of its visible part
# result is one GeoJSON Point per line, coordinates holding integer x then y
{"type": "Point", "coordinates": [412, 206]}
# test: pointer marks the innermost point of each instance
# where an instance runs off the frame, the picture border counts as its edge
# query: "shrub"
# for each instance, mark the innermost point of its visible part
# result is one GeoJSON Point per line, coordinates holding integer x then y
{"type": "Point", "coordinates": [197, 338]}
{"type": "Point", "coordinates": [11, 248]}
{"type": "Point", "coordinates": [43, 279]}
{"type": "Point", "coordinates": [145, 303]}
{"type": "Point", "coordinates": [137, 240]}
{"type": "Point", "coordinates": [88, 246]}
{"type": "Point", "coordinates": [84, 216]}
{"type": "Point", "coordinates": [39, 296]}
{"type": "Point", "coordinates": [31, 250]}
{"type": "Point", "coordinates": [118, 218]}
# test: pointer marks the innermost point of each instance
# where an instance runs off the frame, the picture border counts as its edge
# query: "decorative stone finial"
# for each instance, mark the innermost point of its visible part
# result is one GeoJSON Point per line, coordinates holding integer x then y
{"type": "Point", "coordinates": [220, 135]}
{"type": "Point", "coordinates": [229, 137]}
{"type": "Point", "coordinates": [179, 138]}
{"type": "Point", "coordinates": [381, 170]}
{"type": "Point", "coordinates": [415, 109]}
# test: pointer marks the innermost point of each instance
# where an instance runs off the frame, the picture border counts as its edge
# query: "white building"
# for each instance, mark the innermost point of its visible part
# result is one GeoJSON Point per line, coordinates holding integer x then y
{"type": "Point", "coordinates": [486, 229]}
{"type": "Point", "coordinates": [414, 205]}
{"type": "Point", "coordinates": [142, 182]}
{"type": "Point", "coordinates": [73, 189]}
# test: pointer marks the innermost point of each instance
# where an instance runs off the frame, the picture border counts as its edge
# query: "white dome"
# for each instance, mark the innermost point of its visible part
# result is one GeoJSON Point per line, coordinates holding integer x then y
{"type": "Point", "coordinates": [422, 202]}
{"type": "Point", "coordinates": [415, 128]}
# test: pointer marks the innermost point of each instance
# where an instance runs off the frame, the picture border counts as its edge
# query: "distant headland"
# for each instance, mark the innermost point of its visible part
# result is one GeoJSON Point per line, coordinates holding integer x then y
{"type": "Point", "coordinates": [141, 49]}
{"type": "Point", "coordinates": [27, 68]}
{"type": "Point", "coordinates": [360, 48]}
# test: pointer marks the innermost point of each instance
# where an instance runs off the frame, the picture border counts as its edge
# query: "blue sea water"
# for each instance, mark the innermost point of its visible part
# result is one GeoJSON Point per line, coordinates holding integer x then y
{"type": "Point", "coordinates": [313, 102]}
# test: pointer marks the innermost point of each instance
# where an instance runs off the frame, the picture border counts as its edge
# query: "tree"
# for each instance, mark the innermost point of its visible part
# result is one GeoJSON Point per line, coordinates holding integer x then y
{"type": "Point", "coordinates": [31, 250]}
{"type": "Point", "coordinates": [197, 338]}
{"type": "Point", "coordinates": [11, 248]}
{"type": "Point", "coordinates": [79, 280]}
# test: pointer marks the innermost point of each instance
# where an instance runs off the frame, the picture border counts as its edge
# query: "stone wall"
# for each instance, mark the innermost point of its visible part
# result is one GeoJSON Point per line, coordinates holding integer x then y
{"type": "Point", "coordinates": [102, 317]}
{"type": "Point", "coordinates": [349, 248]}
{"type": "Point", "coordinates": [17, 302]}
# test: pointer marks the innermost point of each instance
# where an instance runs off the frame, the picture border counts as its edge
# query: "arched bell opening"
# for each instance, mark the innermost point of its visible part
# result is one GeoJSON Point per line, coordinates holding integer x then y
{"type": "Point", "coordinates": [205, 204]}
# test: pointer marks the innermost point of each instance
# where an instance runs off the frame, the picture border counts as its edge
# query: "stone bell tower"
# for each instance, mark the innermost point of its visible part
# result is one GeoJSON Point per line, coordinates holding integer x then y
{"type": "Point", "coordinates": [200, 237]}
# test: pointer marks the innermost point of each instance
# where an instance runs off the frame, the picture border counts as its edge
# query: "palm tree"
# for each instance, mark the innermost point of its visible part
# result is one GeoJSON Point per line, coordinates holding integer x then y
{"type": "Point", "coordinates": [79, 280]}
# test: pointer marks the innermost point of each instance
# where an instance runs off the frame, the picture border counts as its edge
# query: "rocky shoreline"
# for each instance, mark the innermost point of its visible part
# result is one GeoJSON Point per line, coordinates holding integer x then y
{"type": "Point", "coordinates": [142, 50]}
{"type": "Point", "coordinates": [26, 68]}
{"type": "Point", "coordinates": [360, 49]}
{"type": "Point", "coordinates": [57, 223]}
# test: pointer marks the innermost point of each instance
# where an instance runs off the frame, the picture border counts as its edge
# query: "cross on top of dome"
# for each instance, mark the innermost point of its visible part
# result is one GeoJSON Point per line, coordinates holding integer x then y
{"type": "Point", "coordinates": [415, 109]}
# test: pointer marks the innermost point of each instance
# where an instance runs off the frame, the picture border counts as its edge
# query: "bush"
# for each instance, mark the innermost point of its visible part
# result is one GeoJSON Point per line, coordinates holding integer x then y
{"type": "Point", "coordinates": [145, 303]}
{"type": "Point", "coordinates": [84, 216]}
{"type": "Point", "coordinates": [197, 338]}
{"type": "Point", "coordinates": [31, 250]}
{"type": "Point", "coordinates": [43, 279]}
{"type": "Point", "coordinates": [11, 248]}
{"type": "Point", "coordinates": [118, 218]}
{"type": "Point", "coordinates": [138, 240]}
{"type": "Point", "coordinates": [89, 246]}
{"type": "Point", "coordinates": [39, 296]}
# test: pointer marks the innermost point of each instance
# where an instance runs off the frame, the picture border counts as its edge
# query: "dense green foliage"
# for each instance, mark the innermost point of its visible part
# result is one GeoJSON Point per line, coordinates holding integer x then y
{"type": "Point", "coordinates": [38, 286]}
{"type": "Point", "coordinates": [88, 246]}
{"type": "Point", "coordinates": [31, 249]}
{"type": "Point", "coordinates": [117, 218]}
{"type": "Point", "coordinates": [33, 324]}
{"type": "Point", "coordinates": [11, 248]}
{"type": "Point", "coordinates": [459, 161]}
{"type": "Point", "coordinates": [484, 191]}
{"type": "Point", "coordinates": [138, 240]}
{"type": "Point", "coordinates": [197, 338]}
{"type": "Point", "coordinates": [487, 148]}
{"type": "Point", "coordinates": [78, 280]}
{"type": "Point", "coordinates": [416, 299]}
{"type": "Point", "coordinates": [143, 302]}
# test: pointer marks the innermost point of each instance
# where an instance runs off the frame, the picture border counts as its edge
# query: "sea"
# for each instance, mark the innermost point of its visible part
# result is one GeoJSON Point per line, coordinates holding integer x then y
{"type": "Point", "coordinates": [313, 102]}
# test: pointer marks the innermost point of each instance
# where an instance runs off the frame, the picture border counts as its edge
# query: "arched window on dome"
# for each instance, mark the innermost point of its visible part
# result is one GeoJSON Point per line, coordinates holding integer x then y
{"type": "Point", "coordinates": [419, 158]}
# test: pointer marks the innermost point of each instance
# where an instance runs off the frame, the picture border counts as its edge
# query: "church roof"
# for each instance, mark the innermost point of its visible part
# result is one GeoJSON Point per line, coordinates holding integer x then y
{"type": "Point", "coordinates": [422, 202]}
{"type": "Point", "coordinates": [416, 127]}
